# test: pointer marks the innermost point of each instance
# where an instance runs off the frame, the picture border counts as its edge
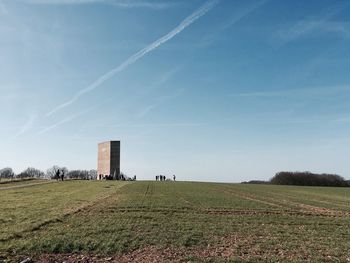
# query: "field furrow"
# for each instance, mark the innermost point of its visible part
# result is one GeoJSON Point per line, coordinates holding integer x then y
{"type": "Point", "coordinates": [174, 221]}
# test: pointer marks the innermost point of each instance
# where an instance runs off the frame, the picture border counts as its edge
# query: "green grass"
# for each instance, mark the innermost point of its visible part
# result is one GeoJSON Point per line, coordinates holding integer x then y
{"type": "Point", "coordinates": [179, 221]}
{"type": "Point", "coordinates": [7, 182]}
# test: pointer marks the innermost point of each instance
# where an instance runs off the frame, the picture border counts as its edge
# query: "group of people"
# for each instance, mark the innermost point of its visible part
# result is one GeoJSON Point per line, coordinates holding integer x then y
{"type": "Point", "coordinates": [120, 177]}
{"type": "Point", "coordinates": [163, 178]}
{"type": "Point", "coordinates": [59, 175]}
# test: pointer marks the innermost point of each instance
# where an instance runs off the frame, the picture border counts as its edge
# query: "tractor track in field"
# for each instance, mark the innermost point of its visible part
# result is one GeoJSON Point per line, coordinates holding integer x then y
{"type": "Point", "coordinates": [309, 211]}
{"type": "Point", "coordinates": [182, 198]}
{"type": "Point", "coordinates": [24, 185]}
{"type": "Point", "coordinates": [130, 221]}
{"type": "Point", "coordinates": [296, 208]}
{"type": "Point", "coordinates": [229, 248]}
{"type": "Point", "coordinates": [59, 218]}
{"type": "Point", "coordinates": [232, 245]}
{"type": "Point", "coordinates": [314, 210]}
{"type": "Point", "coordinates": [324, 211]}
{"type": "Point", "coordinates": [253, 198]}
{"type": "Point", "coordinates": [292, 199]}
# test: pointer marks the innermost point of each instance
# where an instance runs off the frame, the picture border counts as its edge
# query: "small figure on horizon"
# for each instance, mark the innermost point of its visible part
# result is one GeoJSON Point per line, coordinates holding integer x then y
{"type": "Point", "coordinates": [134, 178]}
{"type": "Point", "coordinates": [174, 177]}
{"type": "Point", "coordinates": [157, 177]}
{"type": "Point", "coordinates": [62, 175]}
{"type": "Point", "coordinates": [57, 174]}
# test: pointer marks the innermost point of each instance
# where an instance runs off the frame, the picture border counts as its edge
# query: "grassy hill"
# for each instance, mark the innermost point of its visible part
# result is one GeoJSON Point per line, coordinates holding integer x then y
{"type": "Point", "coordinates": [78, 221]}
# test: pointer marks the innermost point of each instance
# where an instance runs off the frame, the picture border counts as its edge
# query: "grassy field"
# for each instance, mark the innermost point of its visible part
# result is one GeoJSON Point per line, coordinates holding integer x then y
{"type": "Point", "coordinates": [17, 181]}
{"type": "Point", "coordinates": [90, 221]}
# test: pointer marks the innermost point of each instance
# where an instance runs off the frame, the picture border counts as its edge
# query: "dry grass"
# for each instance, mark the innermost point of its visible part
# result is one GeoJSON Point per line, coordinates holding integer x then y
{"type": "Point", "coordinates": [177, 222]}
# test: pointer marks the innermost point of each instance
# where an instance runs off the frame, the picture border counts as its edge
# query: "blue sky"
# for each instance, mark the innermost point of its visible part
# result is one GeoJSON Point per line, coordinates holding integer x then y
{"type": "Point", "coordinates": [207, 90]}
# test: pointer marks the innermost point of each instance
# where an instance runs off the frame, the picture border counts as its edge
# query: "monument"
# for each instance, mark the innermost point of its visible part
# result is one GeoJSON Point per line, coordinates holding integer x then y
{"type": "Point", "coordinates": [108, 166]}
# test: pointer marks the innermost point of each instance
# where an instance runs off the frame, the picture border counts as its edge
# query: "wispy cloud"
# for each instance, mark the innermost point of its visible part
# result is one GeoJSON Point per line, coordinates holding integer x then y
{"type": "Point", "coordinates": [341, 28]}
{"type": "Point", "coordinates": [135, 57]}
{"type": "Point", "coordinates": [65, 120]}
{"type": "Point", "coordinates": [175, 124]}
{"type": "Point", "coordinates": [320, 91]}
{"type": "Point", "coordinates": [145, 125]}
{"type": "Point", "coordinates": [343, 119]}
{"type": "Point", "coordinates": [3, 9]}
{"type": "Point", "coordinates": [146, 110]}
{"type": "Point", "coordinates": [260, 94]}
{"type": "Point", "coordinates": [316, 27]}
{"type": "Point", "coordinates": [162, 99]}
{"type": "Point", "coordinates": [163, 79]}
{"type": "Point", "coordinates": [320, 23]}
{"type": "Point", "coordinates": [299, 29]}
{"type": "Point", "coordinates": [8, 97]}
{"type": "Point", "coordinates": [235, 18]}
{"type": "Point", "coordinates": [244, 13]}
{"type": "Point", "coordinates": [27, 125]}
{"type": "Point", "coordinates": [160, 82]}
{"type": "Point", "coordinates": [115, 3]}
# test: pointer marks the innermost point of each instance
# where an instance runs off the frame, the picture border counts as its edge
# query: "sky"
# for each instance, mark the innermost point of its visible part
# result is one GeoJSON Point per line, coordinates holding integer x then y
{"type": "Point", "coordinates": [217, 90]}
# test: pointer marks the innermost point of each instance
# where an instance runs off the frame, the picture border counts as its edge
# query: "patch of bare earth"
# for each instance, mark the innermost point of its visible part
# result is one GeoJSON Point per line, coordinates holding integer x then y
{"type": "Point", "coordinates": [229, 247]}
{"type": "Point", "coordinates": [25, 185]}
{"type": "Point", "coordinates": [323, 210]}
{"type": "Point", "coordinates": [307, 209]}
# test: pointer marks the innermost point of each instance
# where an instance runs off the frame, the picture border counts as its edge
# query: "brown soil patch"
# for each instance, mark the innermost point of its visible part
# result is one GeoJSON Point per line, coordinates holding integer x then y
{"type": "Point", "coordinates": [305, 209]}
{"type": "Point", "coordinates": [323, 210]}
{"type": "Point", "coordinates": [25, 185]}
{"type": "Point", "coordinates": [226, 247]}
{"type": "Point", "coordinates": [252, 198]}
{"type": "Point", "coordinates": [229, 247]}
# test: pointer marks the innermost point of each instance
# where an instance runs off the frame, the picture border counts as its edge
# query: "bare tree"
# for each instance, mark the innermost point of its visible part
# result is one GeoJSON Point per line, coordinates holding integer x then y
{"type": "Point", "coordinates": [7, 173]}
{"type": "Point", "coordinates": [78, 174]}
{"type": "Point", "coordinates": [92, 175]}
{"type": "Point", "coordinates": [31, 172]}
{"type": "Point", "coordinates": [51, 173]}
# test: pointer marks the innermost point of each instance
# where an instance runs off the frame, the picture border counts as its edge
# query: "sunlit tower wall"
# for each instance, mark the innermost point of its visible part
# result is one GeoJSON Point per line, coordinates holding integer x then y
{"type": "Point", "coordinates": [108, 159]}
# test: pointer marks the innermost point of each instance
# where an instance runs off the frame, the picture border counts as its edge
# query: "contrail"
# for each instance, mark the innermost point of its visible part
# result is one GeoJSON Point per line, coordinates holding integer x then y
{"type": "Point", "coordinates": [67, 119]}
{"type": "Point", "coordinates": [116, 3]}
{"type": "Point", "coordinates": [132, 59]}
{"type": "Point", "coordinates": [27, 125]}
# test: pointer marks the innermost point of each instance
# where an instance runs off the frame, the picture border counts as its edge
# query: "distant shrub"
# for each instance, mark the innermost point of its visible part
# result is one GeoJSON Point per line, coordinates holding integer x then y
{"type": "Point", "coordinates": [93, 174]}
{"type": "Point", "coordinates": [78, 174]}
{"type": "Point", "coordinates": [82, 174]}
{"type": "Point", "coordinates": [31, 172]}
{"type": "Point", "coordinates": [308, 179]}
{"type": "Point", "coordinates": [7, 173]}
{"type": "Point", "coordinates": [255, 182]}
{"type": "Point", "coordinates": [51, 173]}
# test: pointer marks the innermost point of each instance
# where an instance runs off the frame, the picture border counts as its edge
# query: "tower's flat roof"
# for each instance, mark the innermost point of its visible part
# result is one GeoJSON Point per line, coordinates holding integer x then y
{"type": "Point", "coordinates": [107, 141]}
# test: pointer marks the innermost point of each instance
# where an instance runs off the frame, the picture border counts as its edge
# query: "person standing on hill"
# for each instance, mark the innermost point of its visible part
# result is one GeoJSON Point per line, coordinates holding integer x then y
{"type": "Point", "coordinates": [57, 174]}
{"type": "Point", "coordinates": [174, 177]}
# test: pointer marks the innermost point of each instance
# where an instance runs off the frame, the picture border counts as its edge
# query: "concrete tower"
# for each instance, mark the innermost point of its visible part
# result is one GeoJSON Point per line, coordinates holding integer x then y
{"type": "Point", "coordinates": [108, 159]}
